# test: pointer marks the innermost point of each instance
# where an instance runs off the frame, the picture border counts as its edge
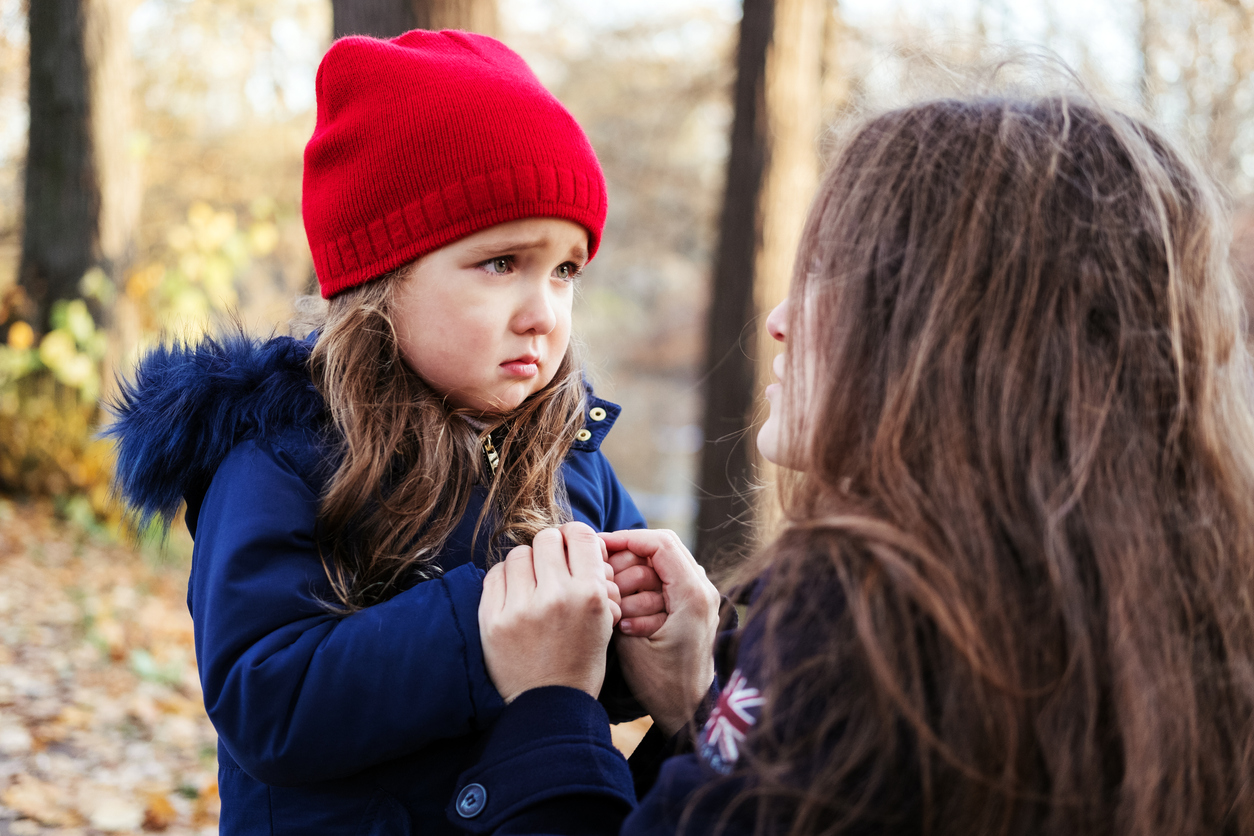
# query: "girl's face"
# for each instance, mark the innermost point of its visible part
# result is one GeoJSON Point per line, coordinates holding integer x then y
{"type": "Point", "coordinates": [770, 437]}
{"type": "Point", "coordinates": [485, 320]}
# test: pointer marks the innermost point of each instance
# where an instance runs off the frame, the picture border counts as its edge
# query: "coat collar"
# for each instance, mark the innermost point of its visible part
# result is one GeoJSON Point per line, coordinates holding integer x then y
{"type": "Point", "coordinates": [186, 406]}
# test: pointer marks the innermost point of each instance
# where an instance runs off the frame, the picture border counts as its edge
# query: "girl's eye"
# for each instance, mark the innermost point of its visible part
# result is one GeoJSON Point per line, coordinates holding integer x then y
{"type": "Point", "coordinates": [498, 266]}
{"type": "Point", "coordinates": [568, 271]}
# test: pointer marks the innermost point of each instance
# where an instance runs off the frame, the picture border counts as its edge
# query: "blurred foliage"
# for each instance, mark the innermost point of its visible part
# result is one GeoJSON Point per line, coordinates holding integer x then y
{"type": "Point", "coordinates": [179, 292]}
{"type": "Point", "coordinates": [51, 402]}
{"type": "Point", "coordinates": [49, 397]}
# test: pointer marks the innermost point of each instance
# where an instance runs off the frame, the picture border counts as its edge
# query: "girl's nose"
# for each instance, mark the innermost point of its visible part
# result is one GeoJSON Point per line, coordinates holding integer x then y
{"type": "Point", "coordinates": [777, 321]}
{"type": "Point", "coordinates": [537, 312]}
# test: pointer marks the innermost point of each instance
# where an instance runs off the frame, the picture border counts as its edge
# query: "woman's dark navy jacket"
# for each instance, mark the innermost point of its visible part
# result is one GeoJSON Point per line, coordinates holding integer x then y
{"type": "Point", "coordinates": [694, 783]}
{"type": "Point", "coordinates": [326, 724]}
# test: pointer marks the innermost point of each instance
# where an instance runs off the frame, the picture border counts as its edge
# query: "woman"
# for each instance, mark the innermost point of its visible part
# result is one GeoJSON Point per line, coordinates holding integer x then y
{"type": "Point", "coordinates": [1015, 589]}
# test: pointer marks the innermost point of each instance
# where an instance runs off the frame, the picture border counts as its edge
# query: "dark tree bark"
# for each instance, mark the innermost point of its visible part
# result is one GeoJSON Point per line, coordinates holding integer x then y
{"type": "Point", "coordinates": [389, 18]}
{"type": "Point", "coordinates": [62, 203]}
{"type": "Point", "coordinates": [469, 15]}
{"type": "Point", "coordinates": [725, 513]}
{"type": "Point", "coordinates": [772, 172]}
{"type": "Point", "coordinates": [380, 18]}
{"type": "Point", "coordinates": [83, 188]}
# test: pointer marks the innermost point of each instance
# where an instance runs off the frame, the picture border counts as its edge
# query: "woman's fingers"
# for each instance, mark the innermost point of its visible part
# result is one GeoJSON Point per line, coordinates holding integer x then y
{"type": "Point", "coordinates": [559, 614]}
{"type": "Point", "coordinates": [664, 550]}
{"type": "Point", "coordinates": [493, 589]}
{"type": "Point", "coordinates": [549, 559]}
{"type": "Point", "coordinates": [519, 574]}
{"type": "Point", "coordinates": [584, 551]}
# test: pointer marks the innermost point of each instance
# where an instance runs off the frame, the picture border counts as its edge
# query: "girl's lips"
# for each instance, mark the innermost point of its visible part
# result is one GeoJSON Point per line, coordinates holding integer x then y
{"type": "Point", "coordinates": [522, 367]}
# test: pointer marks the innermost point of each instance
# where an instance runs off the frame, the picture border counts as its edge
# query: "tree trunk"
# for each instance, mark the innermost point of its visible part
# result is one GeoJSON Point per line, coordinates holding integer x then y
{"type": "Point", "coordinates": [380, 18]}
{"type": "Point", "coordinates": [794, 81]}
{"type": "Point", "coordinates": [62, 203]}
{"type": "Point", "coordinates": [468, 15]}
{"type": "Point", "coordinates": [771, 172]}
{"type": "Point", "coordinates": [389, 18]}
{"type": "Point", "coordinates": [723, 511]}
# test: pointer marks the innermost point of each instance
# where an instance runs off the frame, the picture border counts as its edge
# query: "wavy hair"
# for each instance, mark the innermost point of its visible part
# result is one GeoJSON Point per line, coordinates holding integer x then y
{"type": "Point", "coordinates": [407, 462]}
{"type": "Point", "coordinates": [1029, 446]}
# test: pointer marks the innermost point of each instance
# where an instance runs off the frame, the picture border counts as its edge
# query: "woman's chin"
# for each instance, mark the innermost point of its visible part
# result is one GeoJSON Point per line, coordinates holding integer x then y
{"type": "Point", "coordinates": [768, 441]}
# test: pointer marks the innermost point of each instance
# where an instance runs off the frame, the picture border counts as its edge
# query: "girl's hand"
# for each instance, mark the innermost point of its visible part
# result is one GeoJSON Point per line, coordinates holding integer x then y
{"type": "Point", "coordinates": [546, 613]}
{"type": "Point", "coordinates": [670, 672]}
{"type": "Point", "coordinates": [644, 609]}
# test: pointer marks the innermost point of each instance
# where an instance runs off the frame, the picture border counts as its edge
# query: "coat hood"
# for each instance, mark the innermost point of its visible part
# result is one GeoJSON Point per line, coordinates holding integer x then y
{"type": "Point", "coordinates": [187, 406]}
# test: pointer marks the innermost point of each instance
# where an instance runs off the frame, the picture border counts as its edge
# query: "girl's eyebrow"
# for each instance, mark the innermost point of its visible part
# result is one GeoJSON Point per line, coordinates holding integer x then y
{"type": "Point", "coordinates": [510, 245]}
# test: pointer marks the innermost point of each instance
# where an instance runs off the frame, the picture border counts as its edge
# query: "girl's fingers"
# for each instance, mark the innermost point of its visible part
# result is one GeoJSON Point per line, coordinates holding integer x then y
{"type": "Point", "coordinates": [623, 560]}
{"type": "Point", "coordinates": [639, 578]}
{"type": "Point", "coordinates": [642, 626]}
{"type": "Point", "coordinates": [643, 603]}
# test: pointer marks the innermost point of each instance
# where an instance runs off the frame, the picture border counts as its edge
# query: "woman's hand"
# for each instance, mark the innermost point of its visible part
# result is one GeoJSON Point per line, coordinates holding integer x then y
{"type": "Point", "coordinates": [670, 672]}
{"type": "Point", "coordinates": [547, 613]}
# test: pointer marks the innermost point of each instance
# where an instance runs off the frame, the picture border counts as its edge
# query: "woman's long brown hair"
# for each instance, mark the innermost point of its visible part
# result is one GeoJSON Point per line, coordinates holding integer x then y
{"type": "Point", "coordinates": [407, 462]}
{"type": "Point", "coordinates": [1029, 473]}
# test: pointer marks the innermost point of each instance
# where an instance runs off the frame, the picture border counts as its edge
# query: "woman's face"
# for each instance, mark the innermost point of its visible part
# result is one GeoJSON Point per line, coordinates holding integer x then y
{"type": "Point", "coordinates": [771, 436]}
{"type": "Point", "coordinates": [485, 320]}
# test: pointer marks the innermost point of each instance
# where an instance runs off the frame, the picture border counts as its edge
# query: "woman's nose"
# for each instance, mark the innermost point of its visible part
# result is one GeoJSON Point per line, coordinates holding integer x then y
{"type": "Point", "coordinates": [777, 321]}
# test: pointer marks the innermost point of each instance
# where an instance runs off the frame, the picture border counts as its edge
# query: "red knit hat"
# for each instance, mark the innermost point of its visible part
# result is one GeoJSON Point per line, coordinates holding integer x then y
{"type": "Point", "coordinates": [430, 137]}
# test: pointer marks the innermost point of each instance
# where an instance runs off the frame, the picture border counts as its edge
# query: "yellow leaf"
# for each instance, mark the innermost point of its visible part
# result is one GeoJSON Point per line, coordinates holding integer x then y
{"type": "Point", "coordinates": [159, 813]}
{"type": "Point", "coordinates": [56, 349]}
{"type": "Point", "coordinates": [21, 336]}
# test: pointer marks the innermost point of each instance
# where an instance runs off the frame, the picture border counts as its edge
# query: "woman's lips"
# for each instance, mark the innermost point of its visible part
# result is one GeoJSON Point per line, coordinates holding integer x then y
{"type": "Point", "coordinates": [522, 367]}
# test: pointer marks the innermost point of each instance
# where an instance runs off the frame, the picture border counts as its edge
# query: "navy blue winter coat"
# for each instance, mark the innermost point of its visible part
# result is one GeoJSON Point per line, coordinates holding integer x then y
{"type": "Point", "coordinates": [587, 788]}
{"type": "Point", "coordinates": [326, 724]}
{"type": "Point", "coordinates": [689, 784]}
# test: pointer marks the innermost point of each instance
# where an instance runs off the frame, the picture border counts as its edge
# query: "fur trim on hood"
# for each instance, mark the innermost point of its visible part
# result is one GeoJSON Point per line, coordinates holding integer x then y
{"type": "Point", "coordinates": [187, 406]}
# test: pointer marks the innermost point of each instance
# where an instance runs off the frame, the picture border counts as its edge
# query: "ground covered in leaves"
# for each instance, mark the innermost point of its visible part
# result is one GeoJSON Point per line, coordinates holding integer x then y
{"type": "Point", "coordinates": [102, 725]}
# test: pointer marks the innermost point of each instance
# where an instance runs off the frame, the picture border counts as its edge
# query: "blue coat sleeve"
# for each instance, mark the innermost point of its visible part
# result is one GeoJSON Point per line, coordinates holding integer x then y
{"type": "Point", "coordinates": [549, 768]}
{"type": "Point", "coordinates": [297, 693]}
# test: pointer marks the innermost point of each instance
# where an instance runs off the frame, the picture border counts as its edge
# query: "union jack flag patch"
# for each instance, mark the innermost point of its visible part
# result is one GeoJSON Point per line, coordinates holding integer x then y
{"type": "Point", "coordinates": [730, 721]}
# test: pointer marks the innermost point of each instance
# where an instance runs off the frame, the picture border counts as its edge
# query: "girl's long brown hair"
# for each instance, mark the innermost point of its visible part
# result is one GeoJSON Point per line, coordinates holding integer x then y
{"type": "Point", "coordinates": [407, 463]}
{"type": "Point", "coordinates": [1029, 473]}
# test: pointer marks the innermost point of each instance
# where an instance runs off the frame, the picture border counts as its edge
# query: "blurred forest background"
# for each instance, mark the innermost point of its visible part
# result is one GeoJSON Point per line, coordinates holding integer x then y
{"type": "Point", "coordinates": [150, 156]}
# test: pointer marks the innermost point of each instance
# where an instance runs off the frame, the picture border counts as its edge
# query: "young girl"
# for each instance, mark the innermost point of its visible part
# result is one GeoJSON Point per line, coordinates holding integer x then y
{"type": "Point", "coordinates": [1014, 594]}
{"type": "Point", "coordinates": [346, 491]}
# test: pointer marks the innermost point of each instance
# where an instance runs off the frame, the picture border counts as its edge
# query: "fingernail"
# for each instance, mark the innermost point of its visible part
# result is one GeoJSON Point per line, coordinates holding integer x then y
{"type": "Point", "coordinates": [625, 626]}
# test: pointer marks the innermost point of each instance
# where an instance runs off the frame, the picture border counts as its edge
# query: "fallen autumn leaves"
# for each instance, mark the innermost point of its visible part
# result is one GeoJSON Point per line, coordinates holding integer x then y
{"type": "Point", "coordinates": [102, 728]}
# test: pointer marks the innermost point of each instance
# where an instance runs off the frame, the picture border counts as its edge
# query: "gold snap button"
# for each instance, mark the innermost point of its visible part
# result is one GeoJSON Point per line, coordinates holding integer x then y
{"type": "Point", "coordinates": [583, 435]}
{"type": "Point", "coordinates": [596, 413]}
